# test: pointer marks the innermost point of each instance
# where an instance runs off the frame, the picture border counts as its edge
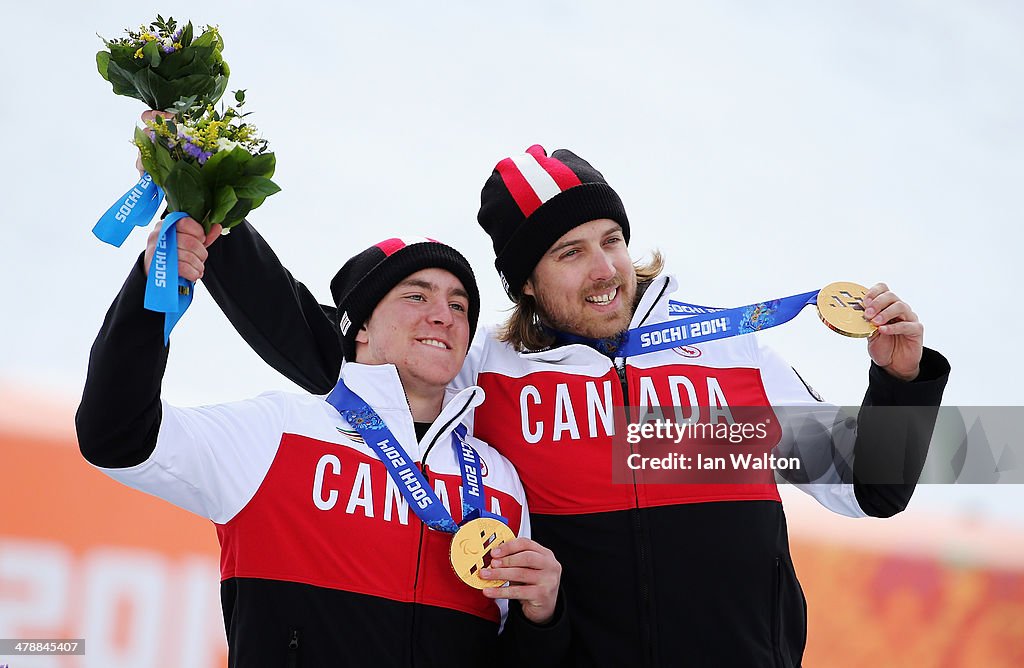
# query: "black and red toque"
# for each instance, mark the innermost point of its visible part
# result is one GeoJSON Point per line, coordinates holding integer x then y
{"type": "Point", "coordinates": [364, 280]}
{"type": "Point", "coordinates": [531, 200]}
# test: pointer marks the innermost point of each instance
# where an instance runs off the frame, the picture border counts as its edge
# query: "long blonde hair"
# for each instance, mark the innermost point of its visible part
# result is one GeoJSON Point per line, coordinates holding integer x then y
{"type": "Point", "coordinates": [523, 331]}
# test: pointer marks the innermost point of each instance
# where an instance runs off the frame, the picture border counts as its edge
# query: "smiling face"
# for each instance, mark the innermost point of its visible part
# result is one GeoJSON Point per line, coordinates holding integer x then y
{"type": "Point", "coordinates": [422, 327]}
{"type": "Point", "coordinates": [586, 283]}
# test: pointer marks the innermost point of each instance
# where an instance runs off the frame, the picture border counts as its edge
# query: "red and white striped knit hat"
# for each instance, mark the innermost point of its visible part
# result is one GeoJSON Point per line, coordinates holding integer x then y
{"type": "Point", "coordinates": [532, 199]}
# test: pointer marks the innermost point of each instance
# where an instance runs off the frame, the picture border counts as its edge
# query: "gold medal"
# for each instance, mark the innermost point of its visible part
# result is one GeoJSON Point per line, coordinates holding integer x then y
{"type": "Point", "coordinates": [841, 308]}
{"type": "Point", "coordinates": [471, 547]}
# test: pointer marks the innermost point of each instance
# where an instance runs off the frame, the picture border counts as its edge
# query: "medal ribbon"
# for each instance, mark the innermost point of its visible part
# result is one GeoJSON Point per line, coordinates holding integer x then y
{"type": "Point", "coordinates": [134, 209]}
{"type": "Point", "coordinates": [710, 324]}
{"type": "Point", "coordinates": [684, 310]}
{"type": "Point", "coordinates": [403, 470]}
{"type": "Point", "coordinates": [166, 292]}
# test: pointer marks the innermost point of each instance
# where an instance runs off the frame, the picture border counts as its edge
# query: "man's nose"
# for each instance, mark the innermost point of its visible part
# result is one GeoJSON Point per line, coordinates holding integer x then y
{"type": "Point", "coordinates": [601, 266]}
{"type": "Point", "coordinates": [440, 313]}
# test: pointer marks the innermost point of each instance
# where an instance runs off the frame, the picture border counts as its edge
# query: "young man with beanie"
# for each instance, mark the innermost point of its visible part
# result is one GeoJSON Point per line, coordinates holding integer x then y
{"type": "Point", "coordinates": [322, 562]}
{"type": "Point", "coordinates": [658, 574]}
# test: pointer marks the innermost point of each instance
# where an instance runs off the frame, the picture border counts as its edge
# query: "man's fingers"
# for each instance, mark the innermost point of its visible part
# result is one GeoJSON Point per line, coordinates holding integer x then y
{"type": "Point", "coordinates": [903, 328]}
{"type": "Point", "coordinates": [873, 305]}
{"type": "Point", "coordinates": [530, 576]}
{"type": "Point", "coordinates": [528, 559]}
{"type": "Point", "coordinates": [189, 226]}
{"type": "Point", "coordinates": [875, 290]}
{"type": "Point", "coordinates": [519, 545]}
{"type": "Point", "coordinates": [150, 114]}
{"type": "Point", "coordinates": [900, 311]}
{"type": "Point", "coordinates": [518, 592]}
{"type": "Point", "coordinates": [211, 236]}
{"type": "Point", "coordinates": [192, 251]}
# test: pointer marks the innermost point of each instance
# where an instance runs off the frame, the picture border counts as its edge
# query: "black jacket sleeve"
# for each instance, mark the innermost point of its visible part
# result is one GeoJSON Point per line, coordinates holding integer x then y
{"type": "Point", "coordinates": [523, 643]}
{"type": "Point", "coordinates": [119, 417]}
{"type": "Point", "coordinates": [894, 428]}
{"type": "Point", "coordinates": [275, 314]}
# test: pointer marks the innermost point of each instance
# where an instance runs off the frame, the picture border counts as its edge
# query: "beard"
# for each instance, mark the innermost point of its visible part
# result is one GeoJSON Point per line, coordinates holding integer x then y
{"type": "Point", "coordinates": [573, 316]}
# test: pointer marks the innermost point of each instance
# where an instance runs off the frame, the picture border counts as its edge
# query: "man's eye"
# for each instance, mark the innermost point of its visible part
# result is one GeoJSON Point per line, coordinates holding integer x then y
{"type": "Point", "coordinates": [419, 298]}
{"type": "Point", "coordinates": [613, 240]}
{"type": "Point", "coordinates": [570, 253]}
{"type": "Point", "coordinates": [457, 306]}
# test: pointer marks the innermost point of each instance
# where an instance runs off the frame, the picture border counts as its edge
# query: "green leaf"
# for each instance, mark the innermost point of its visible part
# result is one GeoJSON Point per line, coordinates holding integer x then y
{"type": "Point", "coordinates": [124, 56]}
{"type": "Point", "coordinates": [237, 213]}
{"type": "Point", "coordinates": [208, 38]}
{"type": "Point", "coordinates": [151, 88]}
{"type": "Point", "coordinates": [224, 199]}
{"type": "Point", "coordinates": [102, 60]}
{"type": "Point", "coordinates": [152, 53]}
{"type": "Point", "coordinates": [240, 96]}
{"type": "Point", "coordinates": [179, 63]}
{"type": "Point", "coordinates": [186, 35]}
{"type": "Point", "coordinates": [220, 170]}
{"type": "Point", "coordinates": [261, 165]}
{"type": "Point", "coordinates": [255, 186]}
{"type": "Point", "coordinates": [186, 191]}
{"type": "Point", "coordinates": [148, 156]}
{"type": "Point", "coordinates": [123, 81]}
{"type": "Point", "coordinates": [164, 162]}
{"type": "Point", "coordinates": [219, 86]}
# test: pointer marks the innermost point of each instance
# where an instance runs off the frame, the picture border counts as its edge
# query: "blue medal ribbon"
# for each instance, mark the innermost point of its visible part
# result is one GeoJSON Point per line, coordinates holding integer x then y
{"type": "Point", "coordinates": [684, 310]}
{"type": "Point", "coordinates": [702, 323]}
{"type": "Point", "coordinates": [713, 324]}
{"type": "Point", "coordinates": [414, 486]}
{"type": "Point", "coordinates": [134, 209]}
{"type": "Point", "coordinates": [166, 292]}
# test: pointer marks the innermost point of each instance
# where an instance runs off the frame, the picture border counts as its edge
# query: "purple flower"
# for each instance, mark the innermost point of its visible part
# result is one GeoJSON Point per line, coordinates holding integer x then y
{"type": "Point", "coordinates": [199, 154]}
{"type": "Point", "coordinates": [167, 49]}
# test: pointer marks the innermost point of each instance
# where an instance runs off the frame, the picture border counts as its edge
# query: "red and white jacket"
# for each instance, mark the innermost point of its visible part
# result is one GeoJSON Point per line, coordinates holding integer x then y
{"type": "Point", "coordinates": [322, 562]}
{"type": "Point", "coordinates": [288, 466]}
{"type": "Point", "coordinates": [553, 413]}
{"type": "Point", "coordinates": [654, 574]}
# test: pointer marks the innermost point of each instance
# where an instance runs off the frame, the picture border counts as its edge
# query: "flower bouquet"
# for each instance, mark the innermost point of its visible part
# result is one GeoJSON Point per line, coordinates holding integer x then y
{"type": "Point", "coordinates": [162, 63]}
{"type": "Point", "coordinates": [211, 165]}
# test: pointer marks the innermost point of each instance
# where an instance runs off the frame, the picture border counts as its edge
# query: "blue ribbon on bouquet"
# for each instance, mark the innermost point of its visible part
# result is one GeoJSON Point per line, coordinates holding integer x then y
{"type": "Point", "coordinates": [134, 209]}
{"type": "Point", "coordinates": [166, 292]}
{"type": "Point", "coordinates": [403, 470]}
{"type": "Point", "coordinates": [696, 324]}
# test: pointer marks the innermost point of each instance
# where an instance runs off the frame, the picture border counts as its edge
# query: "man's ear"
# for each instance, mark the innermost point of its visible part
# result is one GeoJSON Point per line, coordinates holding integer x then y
{"type": "Point", "coordinates": [528, 287]}
{"type": "Point", "coordinates": [362, 336]}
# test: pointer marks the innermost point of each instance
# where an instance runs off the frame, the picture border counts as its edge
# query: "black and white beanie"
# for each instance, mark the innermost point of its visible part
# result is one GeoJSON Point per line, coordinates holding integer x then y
{"type": "Point", "coordinates": [364, 280]}
{"type": "Point", "coordinates": [531, 200]}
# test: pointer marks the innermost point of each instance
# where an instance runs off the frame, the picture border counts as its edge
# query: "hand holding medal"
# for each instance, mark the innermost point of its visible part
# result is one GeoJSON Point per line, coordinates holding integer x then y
{"type": "Point", "coordinates": [898, 344]}
{"type": "Point", "coordinates": [533, 575]}
{"type": "Point", "coordinates": [896, 336]}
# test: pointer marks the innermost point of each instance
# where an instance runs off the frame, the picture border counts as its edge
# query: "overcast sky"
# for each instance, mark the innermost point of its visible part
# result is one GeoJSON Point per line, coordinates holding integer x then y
{"type": "Point", "coordinates": [766, 148]}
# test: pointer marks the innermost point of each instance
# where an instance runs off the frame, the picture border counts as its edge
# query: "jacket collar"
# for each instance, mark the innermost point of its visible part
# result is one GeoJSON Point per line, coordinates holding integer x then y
{"type": "Point", "coordinates": [380, 387]}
